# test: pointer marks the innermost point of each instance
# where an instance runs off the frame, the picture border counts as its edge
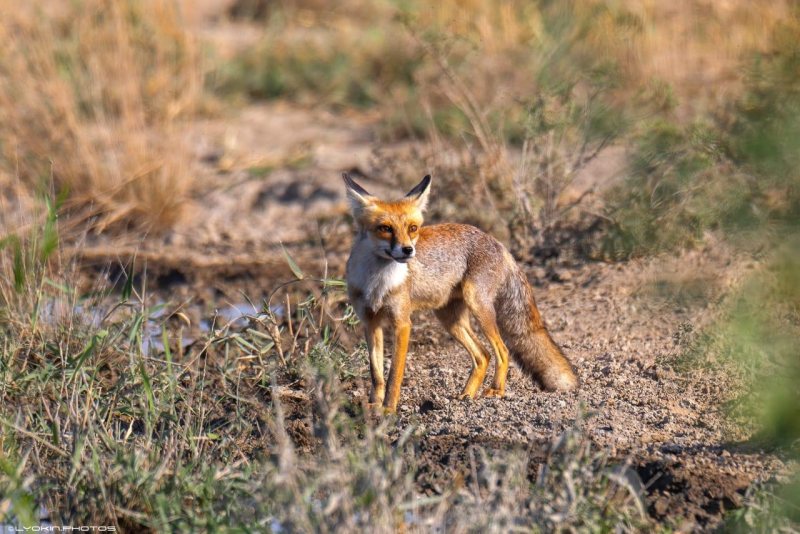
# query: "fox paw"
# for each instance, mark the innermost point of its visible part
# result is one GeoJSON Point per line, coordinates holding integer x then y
{"type": "Point", "coordinates": [466, 396]}
{"type": "Point", "coordinates": [492, 392]}
{"type": "Point", "coordinates": [377, 408]}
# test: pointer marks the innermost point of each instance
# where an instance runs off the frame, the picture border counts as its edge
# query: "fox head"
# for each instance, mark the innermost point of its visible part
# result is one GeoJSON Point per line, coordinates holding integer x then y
{"type": "Point", "coordinates": [392, 228]}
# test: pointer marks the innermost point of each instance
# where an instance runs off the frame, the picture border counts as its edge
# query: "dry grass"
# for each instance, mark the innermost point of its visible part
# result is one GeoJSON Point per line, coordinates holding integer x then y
{"type": "Point", "coordinates": [575, 77]}
{"type": "Point", "coordinates": [92, 93]}
{"type": "Point", "coordinates": [95, 94]}
{"type": "Point", "coordinates": [529, 91]}
{"type": "Point", "coordinates": [697, 46]}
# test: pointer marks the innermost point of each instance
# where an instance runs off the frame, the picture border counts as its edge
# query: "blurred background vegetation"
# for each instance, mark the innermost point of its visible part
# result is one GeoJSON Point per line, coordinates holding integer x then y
{"type": "Point", "coordinates": [703, 96]}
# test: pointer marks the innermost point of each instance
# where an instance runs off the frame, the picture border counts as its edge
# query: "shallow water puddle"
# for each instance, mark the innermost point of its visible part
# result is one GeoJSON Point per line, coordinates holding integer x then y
{"type": "Point", "coordinates": [236, 316]}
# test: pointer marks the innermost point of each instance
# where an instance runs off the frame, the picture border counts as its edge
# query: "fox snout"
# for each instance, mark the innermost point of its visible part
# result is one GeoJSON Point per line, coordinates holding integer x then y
{"type": "Point", "coordinates": [406, 252]}
{"type": "Point", "coordinates": [401, 253]}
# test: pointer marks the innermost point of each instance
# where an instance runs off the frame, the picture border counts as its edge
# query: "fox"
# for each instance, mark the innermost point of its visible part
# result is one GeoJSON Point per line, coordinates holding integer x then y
{"type": "Point", "coordinates": [397, 267]}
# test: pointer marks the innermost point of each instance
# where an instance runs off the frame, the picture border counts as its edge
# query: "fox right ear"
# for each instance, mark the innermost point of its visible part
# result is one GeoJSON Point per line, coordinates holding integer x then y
{"type": "Point", "coordinates": [357, 196]}
{"type": "Point", "coordinates": [420, 193]}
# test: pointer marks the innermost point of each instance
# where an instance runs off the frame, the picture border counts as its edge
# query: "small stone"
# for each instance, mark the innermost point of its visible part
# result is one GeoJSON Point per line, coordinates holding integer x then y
{"type": "Point", "coordinates": [661, 506]}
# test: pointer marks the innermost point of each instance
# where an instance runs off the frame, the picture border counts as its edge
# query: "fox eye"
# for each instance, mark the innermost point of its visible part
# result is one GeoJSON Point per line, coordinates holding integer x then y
{"type": "Point", "coordinates": [384, 228]}
{"type": "Point", "coordinates": [412, 228]}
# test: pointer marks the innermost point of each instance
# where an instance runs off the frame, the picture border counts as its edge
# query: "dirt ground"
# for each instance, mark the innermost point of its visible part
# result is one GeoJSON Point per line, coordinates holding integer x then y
{"type": "Point", "coordinates": [694, 463]}
{"type": "Point", "coordinates": [620, 324]}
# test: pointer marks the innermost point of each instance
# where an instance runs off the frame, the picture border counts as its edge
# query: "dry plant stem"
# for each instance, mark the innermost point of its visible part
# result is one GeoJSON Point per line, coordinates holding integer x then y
{"type": "Point", "coordinates": [289, 316]}
{"type": "Point", "coordinates": [460, 95]}
{"type": "Point", "coordinates": [294, 338]}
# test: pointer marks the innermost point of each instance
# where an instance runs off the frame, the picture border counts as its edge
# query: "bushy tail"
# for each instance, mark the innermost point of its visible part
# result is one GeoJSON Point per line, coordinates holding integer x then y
{"type": "Point", "coordinates": [527, 338]}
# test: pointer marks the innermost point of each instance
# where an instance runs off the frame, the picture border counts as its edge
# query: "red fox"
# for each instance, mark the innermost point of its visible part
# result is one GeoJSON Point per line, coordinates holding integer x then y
{"type": "Point", "coordinates": [397, 266]}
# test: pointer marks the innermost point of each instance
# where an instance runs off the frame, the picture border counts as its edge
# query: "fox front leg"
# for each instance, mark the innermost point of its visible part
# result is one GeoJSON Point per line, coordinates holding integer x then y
{"type": "Point", "coordinates": [374, 335]}
{"type": "Point", "coordinates": [402, 331]}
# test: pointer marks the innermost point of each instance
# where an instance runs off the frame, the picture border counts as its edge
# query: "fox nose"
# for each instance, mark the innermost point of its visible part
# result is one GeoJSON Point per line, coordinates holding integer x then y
{"type": "Point", "coordinates": [408, 251]}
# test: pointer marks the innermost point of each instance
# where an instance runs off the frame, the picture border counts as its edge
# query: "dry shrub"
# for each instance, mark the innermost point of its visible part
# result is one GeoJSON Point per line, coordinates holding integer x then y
{"type": "Point", "coordinates": [567, 113]}
{"type": "Point", "coordinates": [91, 94]}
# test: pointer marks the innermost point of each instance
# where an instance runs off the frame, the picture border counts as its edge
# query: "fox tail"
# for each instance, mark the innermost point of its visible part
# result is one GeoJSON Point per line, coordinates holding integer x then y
{"type": "Point", "coordinates": [527, 338]}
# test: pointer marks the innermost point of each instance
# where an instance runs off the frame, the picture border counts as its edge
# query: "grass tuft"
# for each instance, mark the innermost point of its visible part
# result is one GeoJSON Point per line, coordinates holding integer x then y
{"type": "Point", "coordinates": [93, 94]}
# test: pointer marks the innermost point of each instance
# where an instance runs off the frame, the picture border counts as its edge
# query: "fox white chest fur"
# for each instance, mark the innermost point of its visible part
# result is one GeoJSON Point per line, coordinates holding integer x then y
{"type": "Point", "coordinates": [373, 276]}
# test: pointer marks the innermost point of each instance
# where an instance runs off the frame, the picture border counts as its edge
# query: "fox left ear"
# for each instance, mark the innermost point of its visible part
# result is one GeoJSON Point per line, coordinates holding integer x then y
{"type": "Point", "coordinates": [358, 197]}
{"type": "Point", "coordinates": [420, 193]}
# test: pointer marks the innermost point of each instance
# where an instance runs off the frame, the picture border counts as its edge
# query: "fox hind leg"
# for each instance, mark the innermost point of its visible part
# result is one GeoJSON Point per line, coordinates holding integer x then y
{"type": "Point", "coordinates": [485, 315]}
{"type": "Point", "coordinates": [455, 319]}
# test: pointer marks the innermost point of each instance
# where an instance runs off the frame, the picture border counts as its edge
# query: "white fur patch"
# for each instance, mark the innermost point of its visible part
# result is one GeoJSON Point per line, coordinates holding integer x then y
{"type": "Point", "coordinates": [376, 277]}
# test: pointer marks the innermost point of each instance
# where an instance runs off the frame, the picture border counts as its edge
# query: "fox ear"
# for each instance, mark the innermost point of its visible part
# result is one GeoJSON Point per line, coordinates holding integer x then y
{"type": "Point", "coordinates": [357, 196]}
{"type": "Point", "coordinates": [420, 193]}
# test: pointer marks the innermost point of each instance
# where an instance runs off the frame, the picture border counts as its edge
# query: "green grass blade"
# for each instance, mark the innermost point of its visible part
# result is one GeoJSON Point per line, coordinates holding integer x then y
{"type": "Point", "coordinates": [127, 289]}
{"type": "Point", "coordinates": [19, 265]}
{"type": "Point", "coordinates": [298, 272]}
{"type": "Point", "coordinates": [148, 389]}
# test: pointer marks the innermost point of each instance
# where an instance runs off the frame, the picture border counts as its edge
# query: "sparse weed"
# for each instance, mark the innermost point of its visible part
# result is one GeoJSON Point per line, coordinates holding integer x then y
{"type": "Point", "coordinates": [768, 507]}
{"type": "Point", "coordinates": [577, 488]}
